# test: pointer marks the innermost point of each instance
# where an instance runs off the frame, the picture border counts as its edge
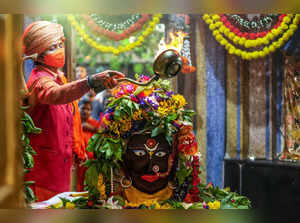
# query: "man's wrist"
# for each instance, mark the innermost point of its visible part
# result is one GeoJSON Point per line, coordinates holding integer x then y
{"type": "Point", "coordinates": [90, 82]}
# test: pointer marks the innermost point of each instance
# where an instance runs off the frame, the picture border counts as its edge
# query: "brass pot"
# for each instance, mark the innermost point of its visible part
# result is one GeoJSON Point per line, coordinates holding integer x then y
{"type": "Point", "coordinates": [166, 65]}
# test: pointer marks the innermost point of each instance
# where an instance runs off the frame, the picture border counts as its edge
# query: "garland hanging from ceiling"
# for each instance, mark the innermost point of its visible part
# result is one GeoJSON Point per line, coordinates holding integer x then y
{"type": "Point", "coordinates": [252, 38]}
{"type": "Point", "coordinates": [92, 28]}
{"type": "Point", "coordinates": [114, 31]}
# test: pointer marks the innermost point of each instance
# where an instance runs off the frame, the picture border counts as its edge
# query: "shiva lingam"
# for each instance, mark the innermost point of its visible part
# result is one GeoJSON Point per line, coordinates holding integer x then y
{"type": "Point", "coordinates": [166, 65]}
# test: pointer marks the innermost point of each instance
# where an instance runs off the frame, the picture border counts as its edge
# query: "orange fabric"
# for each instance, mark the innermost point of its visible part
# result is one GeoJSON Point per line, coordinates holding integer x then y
{"type": "Point", "coordinates": [78, 139]}
{"type": "Point", "coordinates": [46, 90]}
{"type": "Point", "coordinates": [42, 193]}
{"type": "Point", "coordinates": [79, 144]}
{"type": "Point", "coordinates": [82, 169]}
{"type": "Point", "coordinates": [87, 134]}
{"type": "Point", "coordinates": [55, 59]}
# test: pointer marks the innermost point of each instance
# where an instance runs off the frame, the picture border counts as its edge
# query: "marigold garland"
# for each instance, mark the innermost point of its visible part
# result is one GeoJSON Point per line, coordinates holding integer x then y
{"type": "Point", "coordinates": [251, 35]}
{"type": "Point", "coordinates": [241, 46]}
{"type": "Point", "coordinates": [111, 34]}
{"type": "Point", "coordinates": [120, 49]}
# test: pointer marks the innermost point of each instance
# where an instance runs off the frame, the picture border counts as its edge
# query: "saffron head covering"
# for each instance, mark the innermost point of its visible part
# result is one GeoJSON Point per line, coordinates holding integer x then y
{"type": "Point", "coordinates": [40, 35]}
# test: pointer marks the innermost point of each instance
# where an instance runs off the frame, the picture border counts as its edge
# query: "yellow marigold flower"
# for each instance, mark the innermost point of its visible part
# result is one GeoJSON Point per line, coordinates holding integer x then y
{"type": "Point", "coordinates": [147, 92]}
{"type": "Point", "coordinates": [179, 100]}
{"type": "Point", "coordinates": [212, 26]}
{"type": "Point", "coordinates": [214, 205]}
{"type": "Point", "coordinates": [166, 206]}
{"type": "Point", "coordinates": [167, 107]}
{"type": "Point", "coordinates": [162, 111]}
{"type": "Point", "coordinates": [125, 124]}
{"type": "Point", "coordinates": [137, 115]}
{"type": "Point", "coordinates": [101, 187]}
{"type": "Point", "coordinates": [70, 205]}
{"type": "Point", "coordinates": [145, 115]}
{"type": "Point", "coordinates": [114, 127]}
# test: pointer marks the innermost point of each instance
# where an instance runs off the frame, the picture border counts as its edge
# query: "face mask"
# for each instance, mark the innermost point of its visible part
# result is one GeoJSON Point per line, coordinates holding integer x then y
{"type": "Point", "coordinates": [55, 59]}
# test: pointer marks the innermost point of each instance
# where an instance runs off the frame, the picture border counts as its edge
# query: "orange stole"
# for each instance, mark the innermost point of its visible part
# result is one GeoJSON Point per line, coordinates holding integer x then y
{"type": "Point", "coordinates": [78, 141]}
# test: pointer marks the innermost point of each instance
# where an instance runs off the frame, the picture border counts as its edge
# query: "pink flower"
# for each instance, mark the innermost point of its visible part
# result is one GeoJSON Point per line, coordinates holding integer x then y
{"type": "Point", "coordinates": [129, 88]}
{"type": "Point", "coordinates": [145, 78]}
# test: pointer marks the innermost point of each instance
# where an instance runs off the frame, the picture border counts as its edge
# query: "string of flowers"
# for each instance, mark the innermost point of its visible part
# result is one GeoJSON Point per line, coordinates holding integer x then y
{"type": "Point", "coordinates": [109, 22]}
{"type": "Point", "coordinates": [254, 35]}
{"type": "Point", "coordinates": [193, 194]}
{"type": "Point", "coordinates": [111, 34]}
{"type": "Point", "coordinates": [260, 24]}
{"type": "Point", "coordinates": [240, 46]}
{"type": "Point", "coordinates": [120, 49]}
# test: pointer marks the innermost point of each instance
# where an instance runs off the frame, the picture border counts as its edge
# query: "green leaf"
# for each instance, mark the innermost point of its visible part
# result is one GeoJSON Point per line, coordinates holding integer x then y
{"type": "Point", "coordinates": [91, 176]}
{"type": "Point", "coordinates": [171, 117]}
{"type": "Point", "coordinates": [136, 106]}
{"type": "Point", "coordinates": [94, 143]}
{"type": "Point", "coordinates": [108, 153]}
{"type": "Point", "coordinates": [189, 112]}
{"type": "Point", "coordinates": [28, 183]}
{"type": "Point", "coordinates": [118, 115]}
{"type": "Point", "coordinates": [158, 130]}
{"type": "Point", "coordinates": [169, 138]}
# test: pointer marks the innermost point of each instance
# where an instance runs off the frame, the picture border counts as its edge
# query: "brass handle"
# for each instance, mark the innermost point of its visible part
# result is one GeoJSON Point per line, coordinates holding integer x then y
{"type": "Point", "coordinates": [154, 78]}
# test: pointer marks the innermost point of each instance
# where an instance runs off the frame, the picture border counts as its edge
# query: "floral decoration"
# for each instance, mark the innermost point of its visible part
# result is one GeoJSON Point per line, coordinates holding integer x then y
{"type": "Point", "coordinates": [116, 36]}
{"type": "Point", "coordinates": [146, 30]}
{"type": "Point", "coordinates": [154, 109]}
{"type": "Point", "coordinates": [251, 45]}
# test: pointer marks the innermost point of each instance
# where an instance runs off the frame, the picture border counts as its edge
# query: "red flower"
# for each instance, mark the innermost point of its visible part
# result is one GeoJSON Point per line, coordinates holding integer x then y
{"type": "Point", "coordinates": [252, 35]}
{"type": "Point", "coordinates": [194, 190]}
{"type": "Point", "coordinates": [133, 98]}
{"type": "Point", "coordinates": [245, 35]}
{"type": "Point", "coordinates": [196, 181]}
{"type": "Point", "coordinates": [188, 198]}
{"type": "Point", "coordinates": [90, 203]}
{"type": "Point", "coordinates": [227, 24]}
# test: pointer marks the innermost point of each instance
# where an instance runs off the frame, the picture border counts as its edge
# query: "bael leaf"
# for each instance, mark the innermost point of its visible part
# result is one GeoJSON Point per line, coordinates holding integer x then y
{"type": "Point", "coordinates": [118, 114]}
{"type": "Point", "coordinates": [91, 176]}
{"type": "Point", "coordinates": [156, 131]}
{"type": "Point", "coordinates": [171, 117]}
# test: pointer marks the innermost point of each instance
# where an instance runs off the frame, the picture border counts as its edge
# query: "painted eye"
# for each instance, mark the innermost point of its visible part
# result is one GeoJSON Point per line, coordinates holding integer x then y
{"type": "Point", "coordinates": [139, 152]}
{"type": "Point", "coordinates": [160, 154]}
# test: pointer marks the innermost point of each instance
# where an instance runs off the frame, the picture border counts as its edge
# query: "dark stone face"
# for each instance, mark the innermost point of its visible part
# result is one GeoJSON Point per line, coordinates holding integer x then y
{"type": "Point", "coordinates": [143, 159]}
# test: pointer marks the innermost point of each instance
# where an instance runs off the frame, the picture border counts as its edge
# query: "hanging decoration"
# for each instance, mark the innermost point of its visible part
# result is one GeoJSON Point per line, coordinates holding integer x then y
{"type": "Point", "coordinates": [252, 38]}
{"type": "Point", "coordinates": [88, 37]}
{"type": "Point", "coordinates": [115, 23]}
{"type": "Point", "coordinates": [187, 58]}
{"type": "Point", "coordinates": [117, 31]}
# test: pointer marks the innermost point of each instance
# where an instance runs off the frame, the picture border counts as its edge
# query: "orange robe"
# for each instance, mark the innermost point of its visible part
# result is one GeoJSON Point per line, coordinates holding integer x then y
{"type": "Point", "coordinates": [81, 169]}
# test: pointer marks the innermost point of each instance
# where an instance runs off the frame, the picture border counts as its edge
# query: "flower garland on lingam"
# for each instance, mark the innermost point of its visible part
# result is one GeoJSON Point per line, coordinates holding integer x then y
{"type": "Point", "coordinates": [91, 33]}
{"type": "Point", "coordinates": [155, 118]}
{"type": "Point", "coordinates": [252, 39]}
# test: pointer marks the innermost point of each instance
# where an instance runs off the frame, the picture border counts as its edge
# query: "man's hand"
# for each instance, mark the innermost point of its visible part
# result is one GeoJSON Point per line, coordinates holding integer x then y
{"type": "Point", "coordinates": [104, 80]}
